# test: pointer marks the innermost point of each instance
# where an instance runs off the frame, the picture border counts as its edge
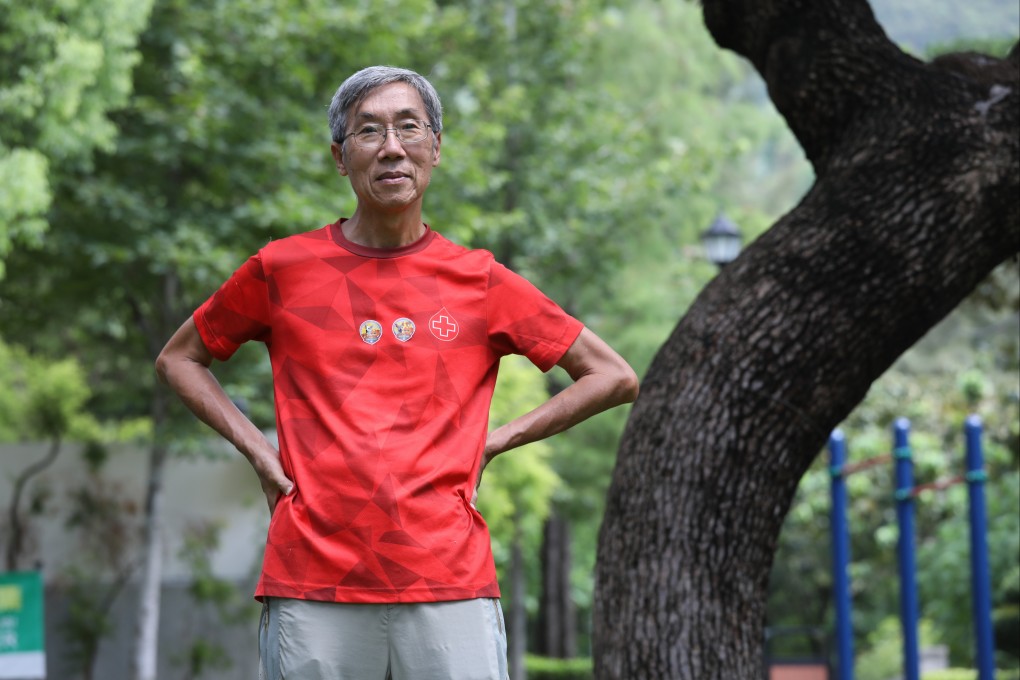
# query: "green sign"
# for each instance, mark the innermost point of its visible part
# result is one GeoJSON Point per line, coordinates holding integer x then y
{"type": "Point", "coordinates": [22, 653]}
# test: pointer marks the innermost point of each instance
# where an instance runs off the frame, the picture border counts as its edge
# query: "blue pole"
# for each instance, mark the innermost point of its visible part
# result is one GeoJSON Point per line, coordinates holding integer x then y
{"type": "Point", "coordinates": [981, 590]}
{"type": "Point", "coordinates": [905, 548]}
{"type": "Point", "coordinates": [841, 557]}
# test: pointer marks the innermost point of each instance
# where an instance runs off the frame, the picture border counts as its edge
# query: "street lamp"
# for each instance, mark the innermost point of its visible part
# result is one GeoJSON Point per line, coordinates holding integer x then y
{"type": "Point", "coordinates": [721, 241]}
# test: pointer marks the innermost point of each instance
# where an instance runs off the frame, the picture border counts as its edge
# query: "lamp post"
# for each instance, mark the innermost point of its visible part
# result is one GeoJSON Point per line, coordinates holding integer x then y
{"type": "Point", "coordinates": [721, 241]}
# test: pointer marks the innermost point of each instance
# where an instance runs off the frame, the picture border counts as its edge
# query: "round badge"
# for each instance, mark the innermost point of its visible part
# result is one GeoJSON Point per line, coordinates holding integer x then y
{"type": "Point", "coordinates": [371, 331]}
{"type": "Point", "coordinates": [403, 329]}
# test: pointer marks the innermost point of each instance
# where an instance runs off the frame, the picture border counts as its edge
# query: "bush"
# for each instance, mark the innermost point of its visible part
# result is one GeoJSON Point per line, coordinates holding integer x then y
{"type": "Point", "coordinates": [950, 674]}
{"type": "Point", "coordinates": [544, 668]}
{"type": "Point", "coordinates": [969, 674]}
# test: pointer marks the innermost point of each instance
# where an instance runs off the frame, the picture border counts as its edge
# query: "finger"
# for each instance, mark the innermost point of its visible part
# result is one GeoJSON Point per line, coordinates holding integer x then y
{"type": "Point", "coordinates": [277, 480]}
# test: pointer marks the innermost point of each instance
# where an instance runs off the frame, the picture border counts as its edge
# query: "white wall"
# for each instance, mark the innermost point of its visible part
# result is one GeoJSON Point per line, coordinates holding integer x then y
{"type": "Point", "coordinates": [218, 486]}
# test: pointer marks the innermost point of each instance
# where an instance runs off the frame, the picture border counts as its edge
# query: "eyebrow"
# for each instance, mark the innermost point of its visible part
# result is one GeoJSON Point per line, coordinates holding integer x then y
{"type": "Point", "coordinates": [403, 113]}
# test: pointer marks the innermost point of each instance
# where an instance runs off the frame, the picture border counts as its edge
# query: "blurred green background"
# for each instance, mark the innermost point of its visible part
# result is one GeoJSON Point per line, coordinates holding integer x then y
{"type": "Point", "coordinates": [147, 148]}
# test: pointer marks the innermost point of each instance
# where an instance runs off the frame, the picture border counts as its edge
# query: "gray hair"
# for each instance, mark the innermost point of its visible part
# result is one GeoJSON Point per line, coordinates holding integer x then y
{"type": "Point", "coordinates": [357, 87]}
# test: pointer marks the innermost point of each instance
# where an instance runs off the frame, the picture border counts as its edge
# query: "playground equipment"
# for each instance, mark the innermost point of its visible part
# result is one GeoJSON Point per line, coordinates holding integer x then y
{"type": "Point", "coordinates": [906, 492]}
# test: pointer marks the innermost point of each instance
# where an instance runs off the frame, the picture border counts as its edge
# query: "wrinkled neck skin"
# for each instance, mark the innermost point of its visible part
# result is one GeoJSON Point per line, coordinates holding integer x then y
{"type": "Point", "coordinates": [385, 230]}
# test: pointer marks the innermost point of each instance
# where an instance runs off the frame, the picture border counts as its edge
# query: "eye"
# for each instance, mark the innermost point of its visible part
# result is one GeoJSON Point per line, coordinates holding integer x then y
{"type": "Point", "coordinates": [411, 125]}
{"type": "Point", "coordinates": [369, 130]}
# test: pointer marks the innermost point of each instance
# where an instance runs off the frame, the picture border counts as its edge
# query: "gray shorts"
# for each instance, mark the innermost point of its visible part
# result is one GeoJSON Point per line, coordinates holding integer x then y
{"type": "Point", "coordinates": [309, 640]}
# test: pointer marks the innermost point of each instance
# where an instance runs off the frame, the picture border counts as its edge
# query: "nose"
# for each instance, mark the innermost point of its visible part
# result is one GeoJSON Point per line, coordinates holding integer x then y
{"type": "Point", "coordinates": [391, 146]}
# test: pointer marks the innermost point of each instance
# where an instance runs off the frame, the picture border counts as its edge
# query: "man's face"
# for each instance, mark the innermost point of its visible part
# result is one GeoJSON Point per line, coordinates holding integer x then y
{"type": "Point", "coordinates": [393, 176]}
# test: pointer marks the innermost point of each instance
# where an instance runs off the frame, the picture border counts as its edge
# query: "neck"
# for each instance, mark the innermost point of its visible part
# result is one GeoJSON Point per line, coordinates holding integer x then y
{"type": "Point", "coordinates": [384, 231]}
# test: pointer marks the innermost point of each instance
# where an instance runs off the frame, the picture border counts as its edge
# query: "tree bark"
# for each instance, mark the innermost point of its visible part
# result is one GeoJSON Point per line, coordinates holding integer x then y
{"type": "Point", "coordinates": [918, 170]}
{"type": "Point", "coordinates": [146, 643]}
{"type": "Point", "coordinates": [16, 544]}
{"type": "Point", "coordinates": [517, 630]}
{"type": "Point", "coordinates": [156, 329]}
{"type": "Point", "coordinates": [557, 616]}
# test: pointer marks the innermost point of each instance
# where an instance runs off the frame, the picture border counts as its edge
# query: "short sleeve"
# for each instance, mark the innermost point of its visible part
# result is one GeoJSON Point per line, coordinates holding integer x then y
{"type": "Point", "coordinates": [237, 312]}
{"type": "Point", "coordinates": [522, 320]}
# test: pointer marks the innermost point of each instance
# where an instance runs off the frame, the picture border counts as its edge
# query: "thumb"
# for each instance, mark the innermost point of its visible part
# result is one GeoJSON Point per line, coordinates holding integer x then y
{"type": "Point", "coordinates": [278, 482]}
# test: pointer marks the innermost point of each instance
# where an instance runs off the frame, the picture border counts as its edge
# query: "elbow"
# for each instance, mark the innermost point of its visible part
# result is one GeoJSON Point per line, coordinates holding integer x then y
{"type": "Point", "coordinates": [162, 367]}
{"type": "Point", "coordinates": [621, 385]}
{"type": "Point", "coordinates": [628, 386]}
{"type": "Point", "coordinates": [165, 364]}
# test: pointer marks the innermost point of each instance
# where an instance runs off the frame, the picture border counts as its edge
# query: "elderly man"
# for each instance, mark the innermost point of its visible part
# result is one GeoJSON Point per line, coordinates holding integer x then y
{"type": "Point", "coordinates": [385, 339]}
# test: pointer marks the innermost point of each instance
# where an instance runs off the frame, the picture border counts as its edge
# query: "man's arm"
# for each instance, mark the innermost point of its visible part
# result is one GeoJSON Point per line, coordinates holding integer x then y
{"type": "Point", "coordinates": [184, 366]}
{"type": "Point", "coordinates": [602, 380]}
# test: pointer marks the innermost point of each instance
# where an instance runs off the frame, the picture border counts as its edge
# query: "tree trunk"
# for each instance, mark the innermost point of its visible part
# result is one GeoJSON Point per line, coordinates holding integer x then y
{"type": "Point", "coordinates": [557, 616]}
{"type": "Point", "coordinates": [918, 170]}
{"type": "Point", "coordinates": [517, 630]}
{"type": "Point", "coordinates": [156, 328]}
{"type": "Point", "coordinates": [15, 546]}
{"type": "Point", "coordinates": [146, 646]}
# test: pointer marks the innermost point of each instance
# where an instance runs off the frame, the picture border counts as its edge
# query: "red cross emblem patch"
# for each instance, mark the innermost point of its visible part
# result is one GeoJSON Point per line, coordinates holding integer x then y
{"type": "Point", "coordinates": [443, 325]}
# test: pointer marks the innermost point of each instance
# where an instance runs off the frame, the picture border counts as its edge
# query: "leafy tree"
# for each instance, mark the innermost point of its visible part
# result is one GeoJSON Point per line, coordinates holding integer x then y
{"type": "Point", "coordinates": [515, 497]}
{"type": "Point", "coordinates": [917, 166]}
{"type": "Point", "coordinates": [566, 151]}
{"type": "Point", "coordinates": [40, 400]}
{"type": "Point", "coordinates": [967, 364]}
{"type": "Point", "coordinates": [223, 146]}
{"type": "Point", "coordinates": [156, 215]}
{"type": "Point", "coordinates": [103, 522]}
{"type": "Point", "coordinates": [956, 370]}
{"type": "Point", "coordinates": [883, 658]}
{"type": "Point", "coordinates": [654, 143]}
{"type": "Point", "coordinates": [210, 594]}
{"type": "Point", "coordinates": [65, 65]}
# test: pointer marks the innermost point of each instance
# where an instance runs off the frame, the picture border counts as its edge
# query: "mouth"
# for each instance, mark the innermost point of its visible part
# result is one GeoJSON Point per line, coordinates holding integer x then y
{"type": "Point", "coordinates": [390, 177]}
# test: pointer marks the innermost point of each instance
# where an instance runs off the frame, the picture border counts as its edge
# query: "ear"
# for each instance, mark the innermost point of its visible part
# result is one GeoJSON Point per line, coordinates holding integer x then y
{"type": "Point", "coordinates": [435, 149]}
{"type": "Point", "coordinates": [338, 156]}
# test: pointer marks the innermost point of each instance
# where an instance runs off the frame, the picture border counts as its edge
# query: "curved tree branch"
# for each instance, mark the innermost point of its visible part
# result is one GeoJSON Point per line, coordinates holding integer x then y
{"type": "Point", "coordinates": [918, 169]}
{"type": "Point", "coordinates": [15, 545]}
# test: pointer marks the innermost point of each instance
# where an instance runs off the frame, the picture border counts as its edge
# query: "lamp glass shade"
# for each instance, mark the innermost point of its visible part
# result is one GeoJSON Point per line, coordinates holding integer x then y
{"type": "Point", "coordinates": [721, 241]}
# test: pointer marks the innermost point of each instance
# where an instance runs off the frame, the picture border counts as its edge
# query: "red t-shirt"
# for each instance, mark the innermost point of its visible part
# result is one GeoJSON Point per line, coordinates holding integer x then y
{"type": "Point", "coordinates": [384, 363]}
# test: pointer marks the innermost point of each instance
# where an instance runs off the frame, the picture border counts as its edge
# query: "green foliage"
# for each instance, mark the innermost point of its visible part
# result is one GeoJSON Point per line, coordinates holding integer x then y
{"type": "Point", "coordinates": [203, 655]}
{"type": "Point", "coordinates": [102, 522]}
{"type": "Point", "coordinates": [584, 163]}
{"type": "Point", "coordinates": [883, 657]}
{"type": "Point", "coordinates": [996, 47]}
{"type": "Point", "coordinates": [42, 399]}
{"type": "Point", "coordinates": [66, 64]}
{"type": "Point", "coordinates": [200, 540]}
{"type": "Point", "coordinates": [644, 147]}
{"type": "Point", "coordinates": [517, 486]}
{"type": "Point", "coordinates": [968, 674]}
{"type": "Point", "coordinates": [88, 619]}
{"type": "Point", "coordinates": [544, 668]}
{"type": "Point", "coordinates": [945, 584]}
{"type": "Point", "coordinates": [967, 364]}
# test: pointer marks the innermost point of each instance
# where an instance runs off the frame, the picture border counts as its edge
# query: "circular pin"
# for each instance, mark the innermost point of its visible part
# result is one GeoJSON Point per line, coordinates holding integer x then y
{"type": "Point", "coordinates": [403, 329]}
{"type": "Point", "coordinates": [371, 331]}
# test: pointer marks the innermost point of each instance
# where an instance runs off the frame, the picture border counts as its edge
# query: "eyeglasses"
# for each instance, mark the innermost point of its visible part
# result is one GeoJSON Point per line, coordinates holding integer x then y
{"type": "Point", "coordinates": [373, 136]}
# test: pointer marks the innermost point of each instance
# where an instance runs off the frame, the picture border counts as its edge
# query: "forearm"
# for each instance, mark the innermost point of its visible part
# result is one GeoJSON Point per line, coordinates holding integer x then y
{"type": "Point", "coordinates": [586, 397]}
{"type": "Point", "coordinates": [602, 380]}
{"type": "Point", "coordinates": [183, 365]}
{"type": "Point", "coordinates": [203, 395]}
